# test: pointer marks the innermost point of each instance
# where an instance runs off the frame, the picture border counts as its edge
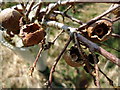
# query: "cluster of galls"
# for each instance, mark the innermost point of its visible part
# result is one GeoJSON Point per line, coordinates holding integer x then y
{"type": "Point", "coordinates": [31, 34]}
{"type": "Point", "coordinates": [74, 59]}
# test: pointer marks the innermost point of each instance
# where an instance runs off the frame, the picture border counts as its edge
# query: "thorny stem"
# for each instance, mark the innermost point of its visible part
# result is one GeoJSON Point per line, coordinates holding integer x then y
{"type": "Point", "coordinates": [56, 61]}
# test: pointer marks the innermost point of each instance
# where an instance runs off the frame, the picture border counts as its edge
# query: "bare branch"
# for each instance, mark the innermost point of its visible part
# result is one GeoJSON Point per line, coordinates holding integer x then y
{"type": "Point", "coordinates": [68, 16]}
{"type": "Point", "coordinates": [36, 60]}
{"type": "Point", "coordinates": [56, 61]}
{"type": "Point", "coordinates": [48, 45]}
{"type": "Point", "coordinates": [109, 47]}
{"type": "Point", "coordinates": [110, 81]}
{"type": "Point", "coordinates": [116, 19]}
{"type": "Point", "coordinates": [87, 42]}
{"type": "Point", "coordinates": [38, 10]}
{"type": "Point", "coordinates": [29, 10]}
{"type": "Point", "coordinates": [49, 10]}
{"type": "Point", "coordinates": [115, 35]}
{"type": "Point", "coordinates": [57, 36]}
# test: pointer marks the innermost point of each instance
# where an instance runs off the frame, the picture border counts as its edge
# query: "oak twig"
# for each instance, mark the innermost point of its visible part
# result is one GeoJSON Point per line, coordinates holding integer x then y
{"type": "Point", "coordinates": [56, 61]}
{"type": "Point", "coordinates": [48, 45]}
{"type": "Point", "coordinates": [36, 60]}
{"type": "Point", "coordinates": [115, 35]}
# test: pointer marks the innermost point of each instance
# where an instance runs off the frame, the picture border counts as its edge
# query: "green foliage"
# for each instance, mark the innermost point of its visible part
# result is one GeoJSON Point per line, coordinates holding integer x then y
{"type": "Point", "coordinates": [8, 5]}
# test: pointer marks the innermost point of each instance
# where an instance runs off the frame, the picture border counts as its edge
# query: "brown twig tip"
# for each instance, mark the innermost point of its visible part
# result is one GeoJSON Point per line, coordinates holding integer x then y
{"type": "Point", "coordinates": [55, 63]}
{"type": "Point", "coordinates": [36, 60]}
{"type": "Point", "coordinates": [31, 70]}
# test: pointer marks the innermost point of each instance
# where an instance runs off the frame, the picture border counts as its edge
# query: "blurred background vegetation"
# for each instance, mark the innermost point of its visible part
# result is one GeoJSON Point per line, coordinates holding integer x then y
{"type": "Point", "coordinates": [14, 70]}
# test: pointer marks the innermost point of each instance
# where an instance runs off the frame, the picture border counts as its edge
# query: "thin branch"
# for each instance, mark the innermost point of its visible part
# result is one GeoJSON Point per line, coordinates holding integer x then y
{"type": "Point", "coordinates": [57, 37]}
{"type": "Point", "coordinates": [47, 46]}
{"type": "Point", "coordinates": [29, 10]}
{"type": "Point", "coordinates": [71, 2]}
{"type": "Point", "coordinates": [68, 16]}
{"type": "Point", "coordinates": [36, 60]}
{"type": "Point", "coordinates": [56, 61]}
{"type": "Point", "coordinates": [86, 61]}
{"type": "Point", "coordinates": [66, 10]}
{"type": "Point", "coordinates": [81, 52]}
{"type": "Point", "coordinates": [116, 19]}
{"type": "Point", "coordinates": [109, 47]}
{"type": "Point", "coordinates": [110, 81]}
{"type": "Point", "coordinates": [49, 10]}
{"type": "Point", "coordinates": [115, 35]}
{"type": "Point", "coordinates": [23, 6]}
{"type": "Point", "coordinates": [38, 10]}
{"type": "Point", "coordinates": [90, 1]}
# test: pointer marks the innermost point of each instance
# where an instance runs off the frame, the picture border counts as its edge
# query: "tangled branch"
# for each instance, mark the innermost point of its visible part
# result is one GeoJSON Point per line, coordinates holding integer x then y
{"type": "Point", "coordinates": [33, 31]}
